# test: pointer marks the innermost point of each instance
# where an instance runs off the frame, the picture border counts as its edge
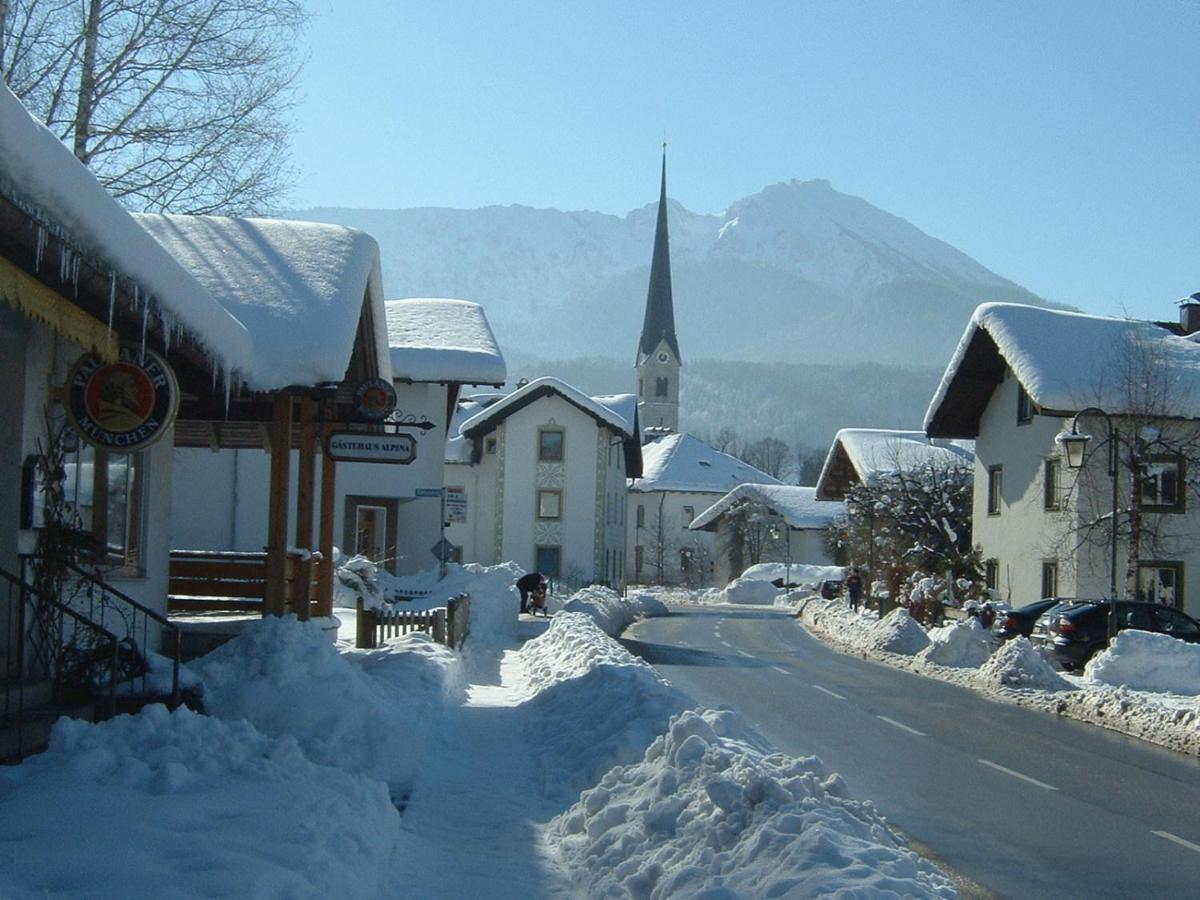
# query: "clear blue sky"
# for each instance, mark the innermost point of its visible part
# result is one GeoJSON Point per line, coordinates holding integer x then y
{"type": "Point", "coordinates": [1058, 143]}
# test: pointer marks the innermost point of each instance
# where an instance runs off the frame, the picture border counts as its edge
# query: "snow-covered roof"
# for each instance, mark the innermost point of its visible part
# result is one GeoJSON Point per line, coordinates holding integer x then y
{"type": "Point", "coordinates": [798, 506]}
{"type": "Point", "coordinates": [298, 287]}
{"type": "Point", "coordinates": [1065, 361]}
{"type": "Point", "coordinates": [680, 462]}
{"type": "Point", "coordinates": [443, 341]}
{"type": "Point", "coordinates": [625, 406]}
{"type": "Point", "coordinates": [490, 417]}
{"type": "Point", "coordinates": [42, 175]}
{"type": "Point", "coordinates": [872, 452]}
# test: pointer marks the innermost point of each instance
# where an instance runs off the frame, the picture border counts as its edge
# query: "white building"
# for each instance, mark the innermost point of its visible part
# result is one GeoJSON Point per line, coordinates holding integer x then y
{"type": "Point", "coordinates": [390, 513]}
{"type": "Point", "coordinates": [539, 477]}
{"type": "Point", "coordinates": [768, 523]}
{"type": "Point", "coordinates": [682, 476]}
{"type": "Point", "coordinates": [1019, 376]}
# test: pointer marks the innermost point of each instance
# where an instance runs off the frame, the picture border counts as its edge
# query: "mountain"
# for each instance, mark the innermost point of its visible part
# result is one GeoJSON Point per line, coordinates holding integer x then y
{"type": "Point", "coordinates": [798, 272]}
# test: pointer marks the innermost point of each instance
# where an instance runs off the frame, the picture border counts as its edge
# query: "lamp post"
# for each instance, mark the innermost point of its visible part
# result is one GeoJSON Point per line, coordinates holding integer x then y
{"type": "Point", "coordinates": [1074, 446]}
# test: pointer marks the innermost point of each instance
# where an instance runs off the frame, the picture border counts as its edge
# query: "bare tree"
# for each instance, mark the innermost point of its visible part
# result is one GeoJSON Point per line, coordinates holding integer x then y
{"type": "Point", "coordinates": [769, 455]}
{"type": "Point", "coordinates": [176, 105]}
{"type": "Point", "coordinates": [808, 463]}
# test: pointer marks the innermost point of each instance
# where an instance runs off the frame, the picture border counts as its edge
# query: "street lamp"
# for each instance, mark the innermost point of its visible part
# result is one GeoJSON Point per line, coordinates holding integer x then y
{"type": "Point", "coordinates": [1074, 446]}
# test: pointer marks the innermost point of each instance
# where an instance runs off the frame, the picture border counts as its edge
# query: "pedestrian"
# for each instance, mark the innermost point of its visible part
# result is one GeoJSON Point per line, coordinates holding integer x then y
{"type": "Point", "coordinates": [533, 591]}
{"type": "Point", "coordinates": [854, 586]}
{"type": "Point", "coordinates": [987, 615]}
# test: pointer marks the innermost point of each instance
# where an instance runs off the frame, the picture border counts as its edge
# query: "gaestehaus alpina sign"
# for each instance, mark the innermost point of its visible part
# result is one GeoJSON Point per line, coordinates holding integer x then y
{"type": "Point", "coordinates": [355, 446]}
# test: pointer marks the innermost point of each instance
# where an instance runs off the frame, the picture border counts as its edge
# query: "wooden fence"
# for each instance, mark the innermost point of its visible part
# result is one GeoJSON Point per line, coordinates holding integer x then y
{"type": "Point", "coordinates": [446, 625]}
{"type": "Point", "coordinates": [208, 581]}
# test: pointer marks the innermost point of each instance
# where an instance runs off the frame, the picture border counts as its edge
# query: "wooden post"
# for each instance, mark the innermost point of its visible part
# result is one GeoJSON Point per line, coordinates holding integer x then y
{"type": "Point", "coordinates": [302, 583]}
{"type": "Point", "coordinates": [328, 514]}
{"type": "Point", "coordinates": [277, 507]}
{"type": "Point", "coordinates": [364, 636]}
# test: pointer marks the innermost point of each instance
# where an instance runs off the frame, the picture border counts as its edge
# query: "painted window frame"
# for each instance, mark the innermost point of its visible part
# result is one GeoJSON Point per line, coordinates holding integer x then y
{"type": "Point", "coordinates": [1052, 483]}
{"type": "Point", "coordinates": [995, 489]}
{"type": "Point", "coordinates": [545, 450]}
{"type": "Point", "coordinates": [542, 553]}
{"type": "Point", "coordinates": [1049, 577]}
{"type": "Point", "coordinates": [549, 495]}
{"type": "Point", "coordinates": [1178, 504]}
{"type": "Point", "coordinates": [1160, 565]}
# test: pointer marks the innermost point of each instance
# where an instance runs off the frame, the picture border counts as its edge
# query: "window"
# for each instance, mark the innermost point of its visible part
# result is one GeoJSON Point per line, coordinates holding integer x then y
{"type": "Point", "coordinates": [548, 561]}
{"type": "Point", "coordinates": [660, 387]}
{"type": "Point", "coordinates": [1161, 486]}
{"type": "Point", "coordinates": [641, 388]}
{"type": "Point", "coordinates": [641, 517]}
{"type": "Point", "coordinates": [1050, 481]}
{"type": "Point", "coordinates": [550, 445]}
{"type": "Point", "coordinates": [995, 484]}
{"type": "Point", "coordinates": [1175, 624]}
{"type": "Point", "coordinates": [991, 574]}
{"type": "Point", "coordinates": [104, 492]}
{"type": "Point", "coordinates": [1024, 406]}
{"type": "Point", "coordinates": [1050, 578]}
{"type": "Point", "coordinates": [1160, 582]}
{"type": "Point", "coordinates": [689, 513]}
{"type": "Point", "coordinates": [637, 559]}
{"type": "Point", "coordinates": [549, 504]}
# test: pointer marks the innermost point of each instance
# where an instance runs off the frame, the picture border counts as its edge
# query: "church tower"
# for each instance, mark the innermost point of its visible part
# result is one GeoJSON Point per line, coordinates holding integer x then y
{"type": "Point", "coordinates": [658, 360]}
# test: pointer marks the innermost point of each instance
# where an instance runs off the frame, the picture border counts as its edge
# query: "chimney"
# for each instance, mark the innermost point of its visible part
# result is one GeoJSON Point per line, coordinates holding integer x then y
{"type": "Point", "coordinates": [1189, 313]}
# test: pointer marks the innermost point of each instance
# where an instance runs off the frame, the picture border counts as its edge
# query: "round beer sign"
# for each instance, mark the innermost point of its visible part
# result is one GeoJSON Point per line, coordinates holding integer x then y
{"type": "Point", "coordinates": [375, 399]}
{"type": "Point", "coordinates": [123, 406]}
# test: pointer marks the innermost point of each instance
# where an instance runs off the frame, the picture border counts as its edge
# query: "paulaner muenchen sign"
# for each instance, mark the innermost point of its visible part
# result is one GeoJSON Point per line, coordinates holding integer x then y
{"type": "Point", "coordinates": [123, 406]}
{"type": "Point", "coordinates": [355, 446]}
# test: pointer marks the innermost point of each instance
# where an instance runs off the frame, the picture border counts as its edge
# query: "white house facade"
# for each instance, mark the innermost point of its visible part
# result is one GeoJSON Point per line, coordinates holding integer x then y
{"type": "Point", "coordinates": [541, 475]}
{"type": "Point", "coordinates": [682, 476]}
{"type": "Point", "coordinates": [1017, 381]}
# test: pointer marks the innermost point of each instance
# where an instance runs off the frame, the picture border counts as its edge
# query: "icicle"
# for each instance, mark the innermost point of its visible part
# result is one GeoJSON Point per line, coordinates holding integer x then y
{"type": "Point", "coordinates": [228, 390]}
{"type": "Point", "coordinates": [136, 296]}
{"type": "Point", "coordinates": [214, 384]}
{"type": "Point", "coordinates": [145, 316]}
{"type": "Point", "coordinates": [166, 327]}
{"type": "Point", "coordinates": [64, 262]}
{"type": "Point", "coordinates": [112, 297]}
{"type": "Point", "coordinates": [41, 248]}
{"type": "Point", "coordinates": [75, 274]}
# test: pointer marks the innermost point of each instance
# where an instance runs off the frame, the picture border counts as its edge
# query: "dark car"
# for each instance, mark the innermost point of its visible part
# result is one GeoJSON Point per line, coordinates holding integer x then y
{"type": "Point", "coordinates": [1017, 622]}
{"type": "Point", "coordinates": [830, 589]}
{"type": "Point", "coordinates": [1075, 630]}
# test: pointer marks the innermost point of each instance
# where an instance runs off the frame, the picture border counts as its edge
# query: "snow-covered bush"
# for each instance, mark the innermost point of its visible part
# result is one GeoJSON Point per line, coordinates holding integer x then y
{"type": "Point", "coordinates": [354, 579]}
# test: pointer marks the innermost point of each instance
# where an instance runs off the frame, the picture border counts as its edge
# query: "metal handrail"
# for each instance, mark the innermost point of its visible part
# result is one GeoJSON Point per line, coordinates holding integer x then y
{"type": "Point", "coordinates": [171, 631]}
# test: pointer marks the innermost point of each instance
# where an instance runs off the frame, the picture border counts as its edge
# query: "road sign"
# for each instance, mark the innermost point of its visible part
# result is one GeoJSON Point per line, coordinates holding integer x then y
{"type": "Point", "coordinates": [360, 446]}
{"type": "Point", "coordinates": [443, 550]}
{"type": "Point", "coordinates": [427, 492]}
{"type": "Point", "coordinates": [456, 505]}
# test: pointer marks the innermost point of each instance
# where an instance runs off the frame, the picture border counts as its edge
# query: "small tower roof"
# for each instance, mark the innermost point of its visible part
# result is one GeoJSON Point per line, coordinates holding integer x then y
{"type": "Point", "coordinates": [660, 308]}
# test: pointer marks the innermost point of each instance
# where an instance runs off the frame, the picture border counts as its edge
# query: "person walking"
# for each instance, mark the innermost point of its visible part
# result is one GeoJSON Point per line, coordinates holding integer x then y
{"type": "Point", "coordinates": [533, 592]}
{"type": "Point", "coordinates": [854, 586]}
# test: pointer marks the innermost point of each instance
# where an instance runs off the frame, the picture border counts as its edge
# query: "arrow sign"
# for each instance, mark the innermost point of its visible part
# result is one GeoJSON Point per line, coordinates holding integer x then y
{"type": "Point", "coordinates": [427, 492]}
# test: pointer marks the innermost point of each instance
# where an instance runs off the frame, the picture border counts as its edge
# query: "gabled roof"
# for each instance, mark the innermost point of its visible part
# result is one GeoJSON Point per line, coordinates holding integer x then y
{"type": "Point", "coordinates": [446, 341]}
{"type": "Point", "coordinates": [798, 506]}
{"type": "Point", "coordinates": [44, 178]}
{"type": "Point", "coordinates": [1065, 361]}
{"type": "Point", "coordinates": [659, 324]}
{"type": "Point", "coordinates": [301, 289]}
{"type": "Point", "coordinates": [487, 419]}
{"type": "Point", "coordinates": [862, 455]}
{"type": "Point", "coordinates": [680, 462]}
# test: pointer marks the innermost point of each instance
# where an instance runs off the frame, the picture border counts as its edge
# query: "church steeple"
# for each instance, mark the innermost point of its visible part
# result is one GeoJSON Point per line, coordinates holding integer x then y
{"type": "Point", "coordinates": [658, 359]}
{"type": "Point", "coordinates": [659, 324]}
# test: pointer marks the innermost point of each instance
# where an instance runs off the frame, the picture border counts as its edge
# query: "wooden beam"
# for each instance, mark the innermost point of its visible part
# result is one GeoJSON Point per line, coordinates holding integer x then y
{"type": "Point", "coordinates": [328, 516]}
{"type": "Point", "coordinates": [277, 507]}
{"type": "Point", "coordinates": [302, 585]}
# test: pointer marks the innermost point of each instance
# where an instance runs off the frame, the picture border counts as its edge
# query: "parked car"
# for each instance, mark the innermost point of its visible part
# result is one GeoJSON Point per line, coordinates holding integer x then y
{"type": "Point", "coordinates": [1011, 623]}
{"type": "Point", "coordinates": [830, 589]}
{"type": "Point", "coordinates": [1075, 630]}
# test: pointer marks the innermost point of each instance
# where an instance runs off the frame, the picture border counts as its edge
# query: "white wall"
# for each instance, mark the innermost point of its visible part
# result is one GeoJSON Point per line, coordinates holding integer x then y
{"type": "Point", "coordinates": [675, 533]}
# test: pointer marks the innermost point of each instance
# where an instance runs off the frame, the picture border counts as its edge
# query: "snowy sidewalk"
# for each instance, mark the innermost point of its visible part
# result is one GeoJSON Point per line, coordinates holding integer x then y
{"type": "Point", "coordinates": [473, 822]}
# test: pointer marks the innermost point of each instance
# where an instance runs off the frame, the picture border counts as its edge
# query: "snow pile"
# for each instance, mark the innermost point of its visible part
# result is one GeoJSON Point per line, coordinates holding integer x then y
{"type": "Point", "coordinates": [596, 704]}
{"type": "Point", "coordinates": [1018, 665]}
{"type": "Point", "coordinates": [350, 717]}
{"type": "Point", "coordinates": [711, 811]}
{"type": "Point", "coordinates": [612, 612]}
{"type": "Point", "coordinates": [750, 591]}
{"type": "Point", "coordinates": [965, 644]}
{"type": "Point", "coordinates": [183, 805]}
{"type": "Point", "coordinates": [354, 579]}
{"type": "Point", "coordinates": [1142, 661]}
{"type": "Point", "coordinates": [797, 573]}
{"type": "Point", "coordinates": [898, 632]}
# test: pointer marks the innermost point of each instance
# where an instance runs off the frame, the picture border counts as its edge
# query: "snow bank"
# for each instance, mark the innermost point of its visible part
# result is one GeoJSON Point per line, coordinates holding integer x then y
{"type": "Point", "coordinates": [750, 591]}
{"type": "Point", "coordinates": [711, 811]}
{"type": "Point", "coordinates": [797, 573]}
{"type": "Point", "coordinates": [965, 644]}
{"type": "Point", "coordinates": [898, 632]}
{"type": "Point", "coordinates": [1018, 665]}
{"type": "Point", "coordinates": [595, 703]}
{"type": "Point", "coordinates": [1148, 662]}
{"type": "Point", "coordinates": [183, 805]}
{"type": "Point", "coordinates": [357, 709]}
{"type": "Point", "coordinates": [612, 612]}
